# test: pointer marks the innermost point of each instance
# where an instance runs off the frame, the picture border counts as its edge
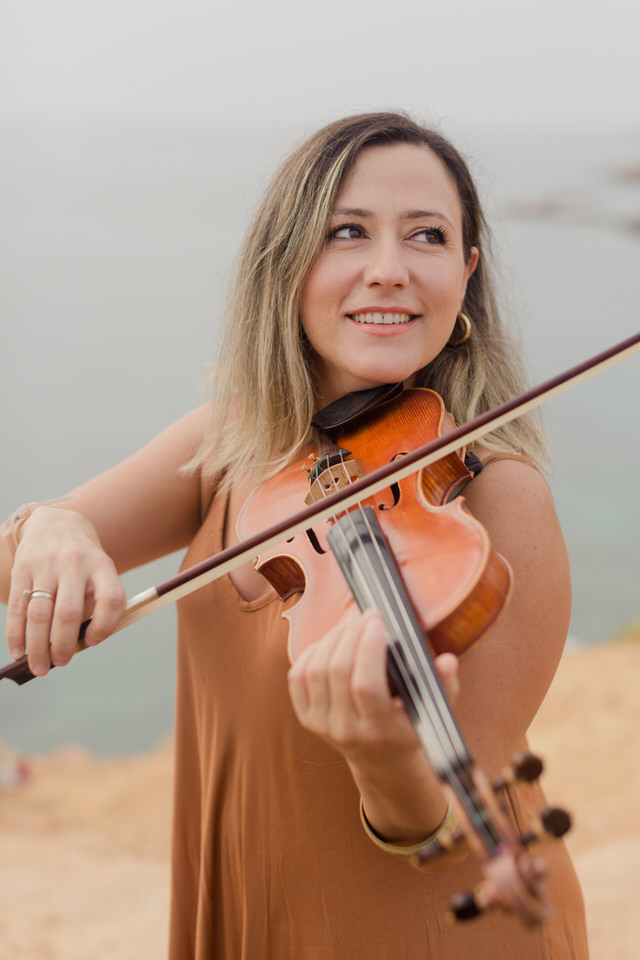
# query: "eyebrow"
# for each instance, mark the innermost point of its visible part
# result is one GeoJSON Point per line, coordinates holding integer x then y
{"type": "Point", "coordinates": [407, 215]}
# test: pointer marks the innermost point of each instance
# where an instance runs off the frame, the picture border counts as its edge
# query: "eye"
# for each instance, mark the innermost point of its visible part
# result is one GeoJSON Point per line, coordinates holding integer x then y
{"type": "Point", "coordinates": [346, 231]}
{"type": "Point", "coordinates": [434, 235]}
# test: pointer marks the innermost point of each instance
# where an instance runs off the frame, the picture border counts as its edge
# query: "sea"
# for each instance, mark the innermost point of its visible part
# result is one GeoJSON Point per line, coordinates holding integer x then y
{"type": "Point", "coordinates": [117, 244]}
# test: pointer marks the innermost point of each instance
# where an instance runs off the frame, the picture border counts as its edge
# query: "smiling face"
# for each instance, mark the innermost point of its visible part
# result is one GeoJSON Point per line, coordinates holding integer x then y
{"type": "Point", "coordinates": [382, 298]}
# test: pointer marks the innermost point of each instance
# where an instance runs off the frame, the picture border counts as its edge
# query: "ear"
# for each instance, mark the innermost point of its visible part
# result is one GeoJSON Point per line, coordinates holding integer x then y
{"type": "Point", "coordinates": [470, 267]}
{"type": "Point", "coordinates": [472, 262]}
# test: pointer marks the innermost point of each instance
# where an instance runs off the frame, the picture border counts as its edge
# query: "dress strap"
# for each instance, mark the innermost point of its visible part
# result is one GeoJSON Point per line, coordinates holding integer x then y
{"type": "Point", "coordinates": [495, 457]}
{"type": "Point", "coordinates": [208, 488]}
{"type": "Point", "coordinates": [472, 463]}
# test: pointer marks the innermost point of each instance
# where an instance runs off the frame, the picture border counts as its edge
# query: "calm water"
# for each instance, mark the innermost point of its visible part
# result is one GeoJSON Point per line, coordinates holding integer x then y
{"type": "Point", "coordinates": [117, 244]}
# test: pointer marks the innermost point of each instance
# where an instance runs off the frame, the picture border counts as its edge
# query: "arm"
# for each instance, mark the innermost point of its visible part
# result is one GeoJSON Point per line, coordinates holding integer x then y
{"type": "Point", "coordinates": [506, 675]}
{"type": "Point", "coordinates": [137, 511]}
{"type": "Point", "coordinates": [341, 692]}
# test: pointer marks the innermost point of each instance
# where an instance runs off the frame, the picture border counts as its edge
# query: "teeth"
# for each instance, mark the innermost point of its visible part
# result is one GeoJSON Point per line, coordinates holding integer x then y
{"type": "Point", "coordinates": [381, 317]}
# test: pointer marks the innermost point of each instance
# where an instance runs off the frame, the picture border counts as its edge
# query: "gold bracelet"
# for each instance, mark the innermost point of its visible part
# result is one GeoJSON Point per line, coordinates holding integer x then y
{"type": "Point", "coordinates": [399, 850]}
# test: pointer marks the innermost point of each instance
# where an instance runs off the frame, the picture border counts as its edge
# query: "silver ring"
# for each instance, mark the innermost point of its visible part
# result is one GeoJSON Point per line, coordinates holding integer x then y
{"type": "Point", "coordinates": [42, 593]}
{"type": "Point", "coordinates": [27, 593]}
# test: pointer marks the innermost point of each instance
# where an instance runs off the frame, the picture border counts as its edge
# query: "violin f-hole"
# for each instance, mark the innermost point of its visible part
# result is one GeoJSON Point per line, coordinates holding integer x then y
{"type": "Point", "coordinates": [394, 488]}
{"type": "Point", "coordinates": [395, 493]}
{"type": "Point", "coordinates": [313, 540]}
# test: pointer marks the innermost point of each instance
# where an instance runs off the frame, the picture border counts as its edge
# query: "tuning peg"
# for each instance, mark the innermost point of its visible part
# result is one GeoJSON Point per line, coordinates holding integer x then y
{"type": "Point", "coordinates": [525, 767]}
{"type": "Point", "coordinates": [464, 906]}
{"type": "Point", "coordinates": [556, 821]}
{"type": "Point", "coordinates": [446, 843]}
{"type": "Point", "coordinates": [552, 822]}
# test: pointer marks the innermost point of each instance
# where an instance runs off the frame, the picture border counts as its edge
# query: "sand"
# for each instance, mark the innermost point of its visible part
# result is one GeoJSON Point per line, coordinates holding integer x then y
{"type": "Point", "coordinates": [84, 841]}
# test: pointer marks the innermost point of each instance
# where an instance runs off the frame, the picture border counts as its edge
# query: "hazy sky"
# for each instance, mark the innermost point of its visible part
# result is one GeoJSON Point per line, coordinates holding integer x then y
{"type": "Point", "coordinates": [561, 61]}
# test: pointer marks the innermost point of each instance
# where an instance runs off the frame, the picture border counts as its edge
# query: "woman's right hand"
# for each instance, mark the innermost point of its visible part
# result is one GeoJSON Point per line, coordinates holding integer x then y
{"type": "Point", "coordinates": [60, 554]}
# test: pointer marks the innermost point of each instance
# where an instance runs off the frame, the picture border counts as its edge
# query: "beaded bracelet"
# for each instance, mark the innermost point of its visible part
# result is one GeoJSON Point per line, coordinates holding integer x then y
{"type": "Point", "coordinates": [399, 850]}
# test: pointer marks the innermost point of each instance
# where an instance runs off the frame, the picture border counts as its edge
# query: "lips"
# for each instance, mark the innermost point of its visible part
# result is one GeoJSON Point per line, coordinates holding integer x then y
{"type": "Point", "coordinates": [383, 318]}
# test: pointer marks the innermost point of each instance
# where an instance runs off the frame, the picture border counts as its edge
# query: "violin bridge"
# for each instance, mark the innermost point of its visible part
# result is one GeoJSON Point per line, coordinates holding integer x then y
{"type": "Point", "coordinates": [334, 477]}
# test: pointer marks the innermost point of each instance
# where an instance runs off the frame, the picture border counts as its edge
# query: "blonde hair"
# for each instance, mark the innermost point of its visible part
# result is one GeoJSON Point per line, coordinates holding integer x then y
{"type": "Point", "coordinates": [264, 394]}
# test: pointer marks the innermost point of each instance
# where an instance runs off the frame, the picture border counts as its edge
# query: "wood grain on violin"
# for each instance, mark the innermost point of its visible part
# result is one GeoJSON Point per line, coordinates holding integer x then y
{"type": "Point", "coordinates": [448, 561]}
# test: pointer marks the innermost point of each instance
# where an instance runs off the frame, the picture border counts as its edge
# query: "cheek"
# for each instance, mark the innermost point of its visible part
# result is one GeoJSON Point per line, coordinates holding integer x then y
{"type": "Point", "coordinates": [316, 294]}
{"type": "Point", "coordinates": [447, 292]}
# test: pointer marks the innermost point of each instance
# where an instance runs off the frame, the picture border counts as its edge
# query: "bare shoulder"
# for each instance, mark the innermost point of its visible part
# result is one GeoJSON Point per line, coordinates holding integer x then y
{"type": "Point", "coordinates": [513, 500]}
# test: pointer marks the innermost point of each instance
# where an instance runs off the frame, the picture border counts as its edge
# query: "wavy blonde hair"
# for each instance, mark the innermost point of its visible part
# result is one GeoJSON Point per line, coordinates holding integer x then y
{"type": "Point", "coordinates": [264, 394]}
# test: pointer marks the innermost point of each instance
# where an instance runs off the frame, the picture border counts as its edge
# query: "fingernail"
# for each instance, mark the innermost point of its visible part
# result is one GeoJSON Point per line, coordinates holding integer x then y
{"type": "Point", "coordinates": [15, 654]}
{"type": "Point", "coordinates": [39, 670]}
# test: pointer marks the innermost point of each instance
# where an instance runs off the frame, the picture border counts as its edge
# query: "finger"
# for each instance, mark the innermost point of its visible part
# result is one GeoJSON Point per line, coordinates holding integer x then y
{"type": "Point", "coordinates": [354, 637]}
{"type": "Point", "coordinates": [68, 614]}
{"type": "Point", "coordinates": [369, 682]}
{"type": "Point", "coordinates": [447, 666]}
{"type": "Point", "coordinates": [18, 602]}
{"type": "Point", "coordinates": [308, 681]}
{"type": "Point", "coordinates": [511, 887]}
{"type": "Point", "coordinates": [40, 612]}
{"type": "Point", "coordinates": [298, 693]}
{"type": "Point", "coordinates": [344, 714]}
{"type": "Point", "coordinates": [109, 606]}
{"type": "Point", "coordinates": [532, 901]}
{"type": "Point", "coordinates": [298, 680]}
{"type": "Point", "coordinates": [316, 673]}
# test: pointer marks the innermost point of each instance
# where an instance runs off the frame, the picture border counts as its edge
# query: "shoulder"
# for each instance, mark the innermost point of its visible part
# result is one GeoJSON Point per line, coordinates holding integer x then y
{"type": "Point", "coordinates": [513, 500]}
{"type": "Point", "coordinates": [507, 480]}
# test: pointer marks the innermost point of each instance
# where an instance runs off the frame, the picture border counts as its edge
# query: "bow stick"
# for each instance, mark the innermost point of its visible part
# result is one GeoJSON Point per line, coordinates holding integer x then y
{"type": "Point", "coordinates": [191, 579]}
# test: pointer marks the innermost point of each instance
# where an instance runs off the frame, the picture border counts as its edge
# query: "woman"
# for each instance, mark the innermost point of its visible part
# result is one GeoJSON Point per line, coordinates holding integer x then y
{"type": "Point", "coordinates": [366, 265]}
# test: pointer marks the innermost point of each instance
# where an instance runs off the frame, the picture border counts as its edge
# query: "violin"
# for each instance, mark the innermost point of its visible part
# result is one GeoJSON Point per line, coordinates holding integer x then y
{"type": "Point", "coordinates": [416, 554]}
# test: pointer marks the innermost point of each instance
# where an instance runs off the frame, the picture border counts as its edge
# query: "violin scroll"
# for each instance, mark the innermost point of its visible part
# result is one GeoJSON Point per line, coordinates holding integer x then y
{"type": "Point", "coordinates": [513, 878]}
{"type": "Point", "coordinates": [552, 822]}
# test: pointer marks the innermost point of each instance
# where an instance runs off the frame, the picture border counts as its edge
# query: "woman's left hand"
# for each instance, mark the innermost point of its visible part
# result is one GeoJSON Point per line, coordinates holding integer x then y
{"type": "Point", "coordinates": [340, 691]}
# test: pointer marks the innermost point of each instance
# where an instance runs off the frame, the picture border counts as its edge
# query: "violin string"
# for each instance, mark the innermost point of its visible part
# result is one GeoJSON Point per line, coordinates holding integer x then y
{"type": "Point", "coordinates": [418, 654]}
{"type": "Point", "coordinates": [416, 672]}
{"type": "Point", "coordinates": [456, 773]}
{"type": "Point", "coordinates": [429, 697]}
{"type": "Point", "coordinates": [433, 701]}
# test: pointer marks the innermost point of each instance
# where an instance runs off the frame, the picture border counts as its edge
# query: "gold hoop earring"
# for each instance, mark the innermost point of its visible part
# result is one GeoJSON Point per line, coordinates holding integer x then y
{"type": "Point", "coordinates": [467, 330]}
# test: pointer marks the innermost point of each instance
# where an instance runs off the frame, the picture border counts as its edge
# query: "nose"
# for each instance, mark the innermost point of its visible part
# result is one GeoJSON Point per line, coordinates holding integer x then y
{"type": "Point", "coordinates": [386, 265]}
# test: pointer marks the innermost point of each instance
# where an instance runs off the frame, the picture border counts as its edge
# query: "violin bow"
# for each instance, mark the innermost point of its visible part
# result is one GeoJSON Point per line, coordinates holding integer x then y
{"type": "Point", "coordinates": [191, 579]}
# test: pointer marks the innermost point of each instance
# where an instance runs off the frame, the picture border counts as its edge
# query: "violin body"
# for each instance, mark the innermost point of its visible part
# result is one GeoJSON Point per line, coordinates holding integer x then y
{"type": "Point", "coordinates": [457, 581]}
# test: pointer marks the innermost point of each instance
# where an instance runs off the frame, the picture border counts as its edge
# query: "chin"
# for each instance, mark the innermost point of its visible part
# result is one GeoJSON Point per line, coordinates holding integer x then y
{"type": "Point", "coordinates": [395, 375]}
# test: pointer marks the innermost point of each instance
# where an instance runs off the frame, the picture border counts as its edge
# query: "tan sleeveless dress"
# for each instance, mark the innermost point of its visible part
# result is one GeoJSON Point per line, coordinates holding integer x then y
{"type": "Point", "coordinates": [270, 861]}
